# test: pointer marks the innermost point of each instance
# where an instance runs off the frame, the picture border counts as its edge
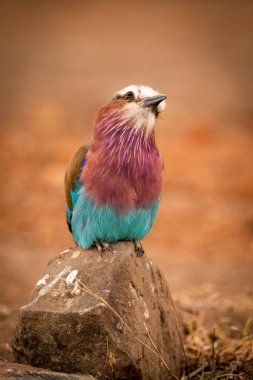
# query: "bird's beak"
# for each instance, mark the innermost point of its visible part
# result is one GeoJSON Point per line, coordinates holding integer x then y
{"type": "Point", "coordinates": [153, 101]}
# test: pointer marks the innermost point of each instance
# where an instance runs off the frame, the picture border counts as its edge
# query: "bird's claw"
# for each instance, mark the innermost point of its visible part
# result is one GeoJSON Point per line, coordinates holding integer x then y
{"type": "Point", "coordinates": [102, 247]}
{"type": "Point", "coordinates": [139, 250]}
{"type": "Point", "coordinates": [108, 247]}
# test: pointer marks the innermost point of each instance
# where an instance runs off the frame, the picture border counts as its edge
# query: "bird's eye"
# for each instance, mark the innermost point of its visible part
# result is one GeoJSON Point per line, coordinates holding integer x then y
{"type": "Point", "coordinates": [129, 96]}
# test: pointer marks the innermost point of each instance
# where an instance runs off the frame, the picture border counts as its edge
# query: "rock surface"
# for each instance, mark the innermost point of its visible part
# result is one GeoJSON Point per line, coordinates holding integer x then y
{"type": "Point", "coordinates": [67, 326]}
{"type": "Point", "coordinates": [14, 371]}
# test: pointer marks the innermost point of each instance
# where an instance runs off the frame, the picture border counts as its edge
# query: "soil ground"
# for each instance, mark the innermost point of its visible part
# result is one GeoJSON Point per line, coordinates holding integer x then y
{"type": "Point", "coordinates": [60, 62]}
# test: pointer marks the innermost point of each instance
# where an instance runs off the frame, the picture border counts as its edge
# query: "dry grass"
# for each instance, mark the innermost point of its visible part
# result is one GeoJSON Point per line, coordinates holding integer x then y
{"type": "Point", "coordinates": [218, 334]}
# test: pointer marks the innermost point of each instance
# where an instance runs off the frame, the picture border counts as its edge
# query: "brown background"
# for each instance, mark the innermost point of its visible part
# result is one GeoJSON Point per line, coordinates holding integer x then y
{"type": "Point", "coordinates": [60, 61]}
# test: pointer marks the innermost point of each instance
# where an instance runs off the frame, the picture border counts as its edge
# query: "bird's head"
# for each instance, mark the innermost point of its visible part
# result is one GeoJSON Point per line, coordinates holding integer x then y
{"type": "Point", "coordinates": [133, 107]}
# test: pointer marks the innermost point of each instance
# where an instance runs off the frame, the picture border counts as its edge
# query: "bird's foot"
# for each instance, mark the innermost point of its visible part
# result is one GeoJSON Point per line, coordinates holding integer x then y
{"type": "Point", "coordinates": [139, 250]}
{"type": "Point", "coordinates": [102, 247]}
{"type": "Point", "coordinates": [108, 247]}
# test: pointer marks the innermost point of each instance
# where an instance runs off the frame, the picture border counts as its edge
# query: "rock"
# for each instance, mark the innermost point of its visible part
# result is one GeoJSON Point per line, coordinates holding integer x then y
{"type": "Point", "coordinates": [16, 371]}
{"type": "Point", "coordinates": [68, 326]}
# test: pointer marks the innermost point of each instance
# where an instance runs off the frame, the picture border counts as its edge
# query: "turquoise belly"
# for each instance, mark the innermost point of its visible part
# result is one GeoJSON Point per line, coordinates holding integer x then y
{"type": "Point", "coordinates": [91, 223]}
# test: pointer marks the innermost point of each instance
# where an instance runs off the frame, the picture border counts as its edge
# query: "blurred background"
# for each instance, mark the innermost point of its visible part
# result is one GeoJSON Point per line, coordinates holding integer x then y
{"type": "Point", "coordinates": [60, 61]}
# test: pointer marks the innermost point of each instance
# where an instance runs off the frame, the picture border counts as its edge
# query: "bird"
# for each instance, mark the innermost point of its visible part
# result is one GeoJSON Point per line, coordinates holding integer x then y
{"type": "Point", "coordinates": [113, 184]}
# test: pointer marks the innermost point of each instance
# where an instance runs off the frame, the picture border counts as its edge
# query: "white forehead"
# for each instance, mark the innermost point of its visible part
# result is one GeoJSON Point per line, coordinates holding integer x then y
{"type": "Point", "coordinates": [139, 91]}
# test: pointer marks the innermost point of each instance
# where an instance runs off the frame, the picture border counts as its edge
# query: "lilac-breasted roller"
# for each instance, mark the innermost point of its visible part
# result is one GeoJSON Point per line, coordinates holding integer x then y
{"type": "Point", "coordinates": [114, 184]}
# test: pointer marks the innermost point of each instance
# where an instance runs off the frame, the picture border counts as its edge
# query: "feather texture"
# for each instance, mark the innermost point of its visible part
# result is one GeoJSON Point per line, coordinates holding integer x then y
{"type": "Point", "coordinates": [124, 168]}
{"type": "Point", "coordinates": [93, 224]}
{"type": "Point", "coordinates": [113, 187]}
